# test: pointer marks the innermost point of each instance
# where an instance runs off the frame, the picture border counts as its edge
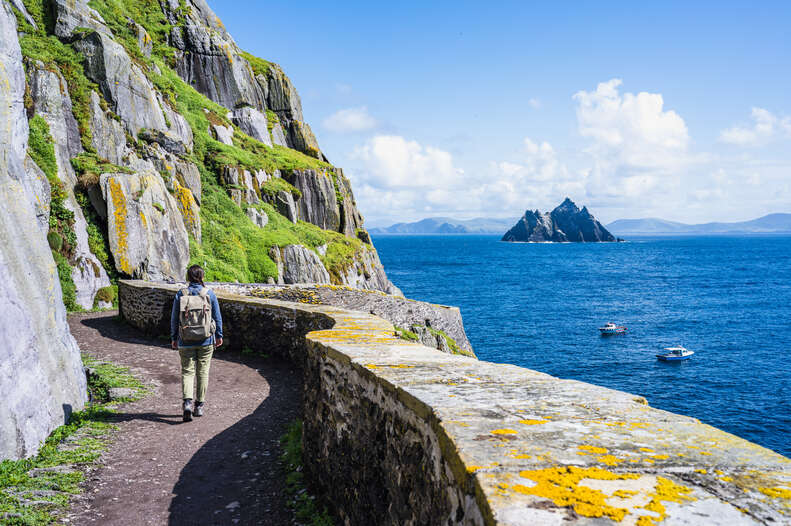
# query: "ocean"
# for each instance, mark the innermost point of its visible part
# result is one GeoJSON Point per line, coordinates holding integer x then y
{"type": "Point", "coordinates": [540, 305]}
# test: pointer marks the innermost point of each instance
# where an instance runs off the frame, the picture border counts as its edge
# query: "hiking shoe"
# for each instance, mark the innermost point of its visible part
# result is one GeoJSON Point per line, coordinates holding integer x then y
{"type": "Point", "coordinates": [188, 410]}
{"type": "Point", "coordinates": [199, 409]}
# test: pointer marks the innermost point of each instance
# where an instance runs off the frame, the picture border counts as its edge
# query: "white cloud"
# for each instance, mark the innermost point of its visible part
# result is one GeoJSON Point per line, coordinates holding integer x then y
{"type": "Point", "coordinates": [631, 131]}
{"type": "Point", "coordinates": [350, 120]}
{"type": "Point", "coordinates": [535, 103]}
{"type": "Point", "coordinates": [765, 126]}
{"type": "Point", "coordinates": [394, 162]}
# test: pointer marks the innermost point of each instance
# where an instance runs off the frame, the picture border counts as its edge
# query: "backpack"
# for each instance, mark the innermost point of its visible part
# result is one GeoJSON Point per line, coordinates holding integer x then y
{"type": "Point", "coordinates": [195, 320]}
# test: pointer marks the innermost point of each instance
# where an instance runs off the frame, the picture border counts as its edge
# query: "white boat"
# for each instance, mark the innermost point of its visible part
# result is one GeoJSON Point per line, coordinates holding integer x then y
{"type": "Point", "coordinates": [611, 328]}
{"type": "Point", "coordinates": [675, 354]}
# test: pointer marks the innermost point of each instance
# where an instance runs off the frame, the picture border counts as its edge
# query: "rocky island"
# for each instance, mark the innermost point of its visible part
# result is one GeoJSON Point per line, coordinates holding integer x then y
{"type": "Point", "coordinates": [566, 223]}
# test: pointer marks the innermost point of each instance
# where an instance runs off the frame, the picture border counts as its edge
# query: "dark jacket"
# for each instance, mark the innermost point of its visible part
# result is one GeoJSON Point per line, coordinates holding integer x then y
{"type": "Point", "coordinates": [194, 289]}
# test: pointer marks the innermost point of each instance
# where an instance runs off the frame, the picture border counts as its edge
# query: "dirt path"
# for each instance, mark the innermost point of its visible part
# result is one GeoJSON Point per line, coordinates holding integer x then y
{"type": "Point", "coordinates": [219, 469]}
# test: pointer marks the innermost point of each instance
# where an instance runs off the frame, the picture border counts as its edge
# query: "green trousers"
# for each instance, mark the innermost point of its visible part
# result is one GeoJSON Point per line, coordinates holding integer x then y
{"type": "Point", "coordinates": [193, 358]}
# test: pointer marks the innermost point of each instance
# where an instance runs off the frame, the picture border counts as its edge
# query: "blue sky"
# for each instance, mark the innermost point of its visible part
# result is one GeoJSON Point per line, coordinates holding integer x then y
{"type": "Point", "coordinates": [467, 109]}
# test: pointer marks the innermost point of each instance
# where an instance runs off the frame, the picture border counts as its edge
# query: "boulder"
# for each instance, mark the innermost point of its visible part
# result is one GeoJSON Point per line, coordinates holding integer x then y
{"type": "Point", "coordinates": [278, 137]}
{"type": "Point", "coordinates": [302, 139]}
{"type": "Point", "coordinates": [277, 257]}
{"type": "Point", "coordinates": [41, 377]}
{"type": "Point", "coordinates": [318, 204]}
{"type": "Point", "coordinates": [367, 273]}
{"type": "Point", "coordinates": [47, 91]}
{"type": "Point", "coordinates": [72, 14]}
{"type": "Point", "coordinates": [146, 229]}
{"type": "Point", "coordinates": [284, 203]}
{"type": "Point", "coordinates": [253, 123]}
{"type": "Point", "coordinates": [282, 96]}
{"type": "Point", "coordinates": [128, 91]}
{"type": "Point", "coordinates": [172, 167]}
{"type": "Point", "coordinates": [240, 185]}
{"type": "Point", "coordinates": [224, 134]}
{"type": "Point", "coordinates": [566, 223]}
{"type": "Point", "coordinates": [301, 265]}
{"type": "Point", "coordinates": [258, 217]}
{"type": "Point", "coordinates": [144, 41]}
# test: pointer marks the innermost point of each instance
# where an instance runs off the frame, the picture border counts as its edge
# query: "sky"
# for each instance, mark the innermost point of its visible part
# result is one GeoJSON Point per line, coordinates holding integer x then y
{"type": "Point", "coordinates": [468, 109]}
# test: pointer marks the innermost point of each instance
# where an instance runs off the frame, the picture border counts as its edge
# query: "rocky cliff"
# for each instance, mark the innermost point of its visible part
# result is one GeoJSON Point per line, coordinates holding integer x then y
{"type": "Point", "coordinates": [168, 145]}
{"type": "Point", "coordinates": [137, 139]}
{"type": "Point", "coordinates": [565, 223]}
{"type": "Point", "coordinates": [41, 377]}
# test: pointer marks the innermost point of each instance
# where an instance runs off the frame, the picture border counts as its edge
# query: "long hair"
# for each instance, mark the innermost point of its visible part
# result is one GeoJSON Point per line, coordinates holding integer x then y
{"type": "Point", "coordinates": [195, 274]}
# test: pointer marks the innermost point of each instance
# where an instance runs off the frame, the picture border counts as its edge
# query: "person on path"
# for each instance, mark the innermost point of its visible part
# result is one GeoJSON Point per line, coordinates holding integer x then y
{"type": "Point", "coordinates": [195, 336]}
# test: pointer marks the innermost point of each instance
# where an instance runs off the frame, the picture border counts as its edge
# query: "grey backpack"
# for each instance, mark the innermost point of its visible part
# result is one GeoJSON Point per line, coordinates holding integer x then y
{"type": "Point", "coordinates": [195, 320]}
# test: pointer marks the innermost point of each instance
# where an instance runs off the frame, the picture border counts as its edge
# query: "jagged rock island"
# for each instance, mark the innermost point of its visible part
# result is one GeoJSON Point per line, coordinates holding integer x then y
{"type": "Point", "coordinates": [566, 223]}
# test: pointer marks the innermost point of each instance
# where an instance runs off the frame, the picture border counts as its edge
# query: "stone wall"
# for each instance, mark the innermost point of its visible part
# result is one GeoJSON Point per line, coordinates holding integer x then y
{"type": "Point", "coordinates": [396, 433]}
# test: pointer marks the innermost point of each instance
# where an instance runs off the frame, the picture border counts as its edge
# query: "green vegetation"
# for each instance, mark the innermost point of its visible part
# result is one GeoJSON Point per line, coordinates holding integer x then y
{"type": "Point", "coordinates": [58, 56]}
{"type": "Point", "coordinates": [89, 167]}
{"type": "Point", "coordinates": [405, 334]}
{"type": "Point", "coordinates": [105, 376]}
{"type": "Point", "coordinates": [67, 286]}
{"type": "Point", "coordinates": [259, 65]}
{"type": "Point", "coordinates": [51, 477]}
{"type": "Point", "coordinates": [107, 295]}
{"type": "Point", "coordinates": [232, 247]}
{"type": "Point", "coordinates": [61, 236]}
{"type": "Point", "coordinates": [306, 508]}
{"type": "Point", "coordinates": [454, 347]}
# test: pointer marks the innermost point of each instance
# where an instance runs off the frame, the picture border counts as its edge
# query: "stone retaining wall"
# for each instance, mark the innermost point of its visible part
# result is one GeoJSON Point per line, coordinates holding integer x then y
{"type": "Point", "coordinates": [396, 433]}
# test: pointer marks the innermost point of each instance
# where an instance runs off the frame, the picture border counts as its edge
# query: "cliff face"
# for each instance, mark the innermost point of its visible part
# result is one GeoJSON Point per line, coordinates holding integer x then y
{"type": "Point", "coordinates": [565, 223]}
{"type": "Point", "coordinates": [173, 146]}
{"type": "Point", "coordinates": [137, 139]}
{"type": "Point", "coordinates": [41, 377]}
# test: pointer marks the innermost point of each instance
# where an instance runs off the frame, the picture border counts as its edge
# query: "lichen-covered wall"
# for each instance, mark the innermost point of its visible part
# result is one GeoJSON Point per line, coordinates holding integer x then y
{"type": "Point", "coordinates": [397, 433]}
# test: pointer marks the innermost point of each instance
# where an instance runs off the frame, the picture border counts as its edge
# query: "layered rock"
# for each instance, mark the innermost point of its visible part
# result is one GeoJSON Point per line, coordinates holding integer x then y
{"type": "Point", "coordinates": [131, 95]}
{"type": "Point", "coordinates": [566, 223]}
{"type": "Point", "coordinates": [41, 378]}
{"type": "Point", "coordinates": [298, 264]}
{"type": "Point", "coordinates": [146, 229]}
{"type": "Point", "coordinates": [49, 92]}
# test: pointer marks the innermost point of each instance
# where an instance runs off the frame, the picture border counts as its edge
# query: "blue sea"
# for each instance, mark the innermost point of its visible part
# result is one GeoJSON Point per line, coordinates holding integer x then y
{"type": "Point", "coordinates": [540, 305]}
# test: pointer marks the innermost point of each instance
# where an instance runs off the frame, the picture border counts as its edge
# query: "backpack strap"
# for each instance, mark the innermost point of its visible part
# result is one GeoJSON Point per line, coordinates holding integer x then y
{"type": "Point", "coordinates": [185, 291]}
{"type": "Point", "coordinates": [203, 292]}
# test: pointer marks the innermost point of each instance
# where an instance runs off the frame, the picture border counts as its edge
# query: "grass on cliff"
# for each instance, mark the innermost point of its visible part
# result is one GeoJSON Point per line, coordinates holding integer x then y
{"type": "Point", "coordinates": [305, 506]}
{"type": "Point", "coordinates": [66, 450]}
{"type": "Point", "coordinates": [232, 248]}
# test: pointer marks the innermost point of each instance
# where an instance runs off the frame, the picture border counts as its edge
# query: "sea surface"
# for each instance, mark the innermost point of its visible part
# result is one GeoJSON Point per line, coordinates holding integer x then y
{"type": "Point", "coordinates": [540, 305]}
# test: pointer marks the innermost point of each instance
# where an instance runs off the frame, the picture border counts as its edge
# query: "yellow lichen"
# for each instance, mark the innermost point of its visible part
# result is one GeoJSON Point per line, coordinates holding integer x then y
{"type": "Point", "coordinates": [529, 422]}
{"type": "Point", "coordinates": [610, 460]}
{"type": "Point", "coordinates": [593, 449]}
{"type": "Point", "coordinates": [701, 471]}
{"type": "Point", "coordinates": [777, 492]}
{"type": "Point", "coordinates": [504, 432]}
{"type": "Point", "coordinates": [660, 457]}
{"type": "Point", "coordinates": [561, 486]}
{"type": "Point", "coordinates": [624, 493]}
{"type": "Point", "coordinates": [119, 217]}
{"type": "Point", "coordinates": [665, 491]}
{"type": "Point", "coordinates": [646, 450]}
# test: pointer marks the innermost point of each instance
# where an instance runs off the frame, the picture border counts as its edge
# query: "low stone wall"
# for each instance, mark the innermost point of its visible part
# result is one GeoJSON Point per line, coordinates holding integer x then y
{"type": "Point", "coordinates": [397, 433]}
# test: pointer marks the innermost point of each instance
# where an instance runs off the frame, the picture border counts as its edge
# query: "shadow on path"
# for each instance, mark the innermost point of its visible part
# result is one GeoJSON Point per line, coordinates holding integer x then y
{"type": "Point", "coordinates": [222, 468]}
{"type": "Point", "coordinates": [235, 477]}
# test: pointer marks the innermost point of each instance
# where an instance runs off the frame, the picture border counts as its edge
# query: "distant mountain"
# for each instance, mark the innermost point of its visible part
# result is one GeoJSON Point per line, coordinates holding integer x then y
{"type": "Point", "coordinates": [768, 224]}
{"type": "Point", "coordinates": [446, 225]}
{"type": "Point", "coordinates": [566, 223]}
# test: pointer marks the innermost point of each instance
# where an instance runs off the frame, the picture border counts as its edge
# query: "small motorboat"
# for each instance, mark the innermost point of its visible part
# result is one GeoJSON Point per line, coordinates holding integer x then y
{"type": "Point", "coordinates": [675, 354]}
{"type": "Point", "coordinates": [611, 328]}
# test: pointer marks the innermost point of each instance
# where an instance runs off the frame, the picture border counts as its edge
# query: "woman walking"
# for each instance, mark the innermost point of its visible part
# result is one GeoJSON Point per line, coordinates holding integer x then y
{"type": "Point", "coordinates": [195, 330]}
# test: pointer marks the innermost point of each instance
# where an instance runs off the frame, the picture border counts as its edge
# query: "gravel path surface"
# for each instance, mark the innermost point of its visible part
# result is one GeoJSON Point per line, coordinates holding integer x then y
{"type": "Point", "coordinates": [219, 469]}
